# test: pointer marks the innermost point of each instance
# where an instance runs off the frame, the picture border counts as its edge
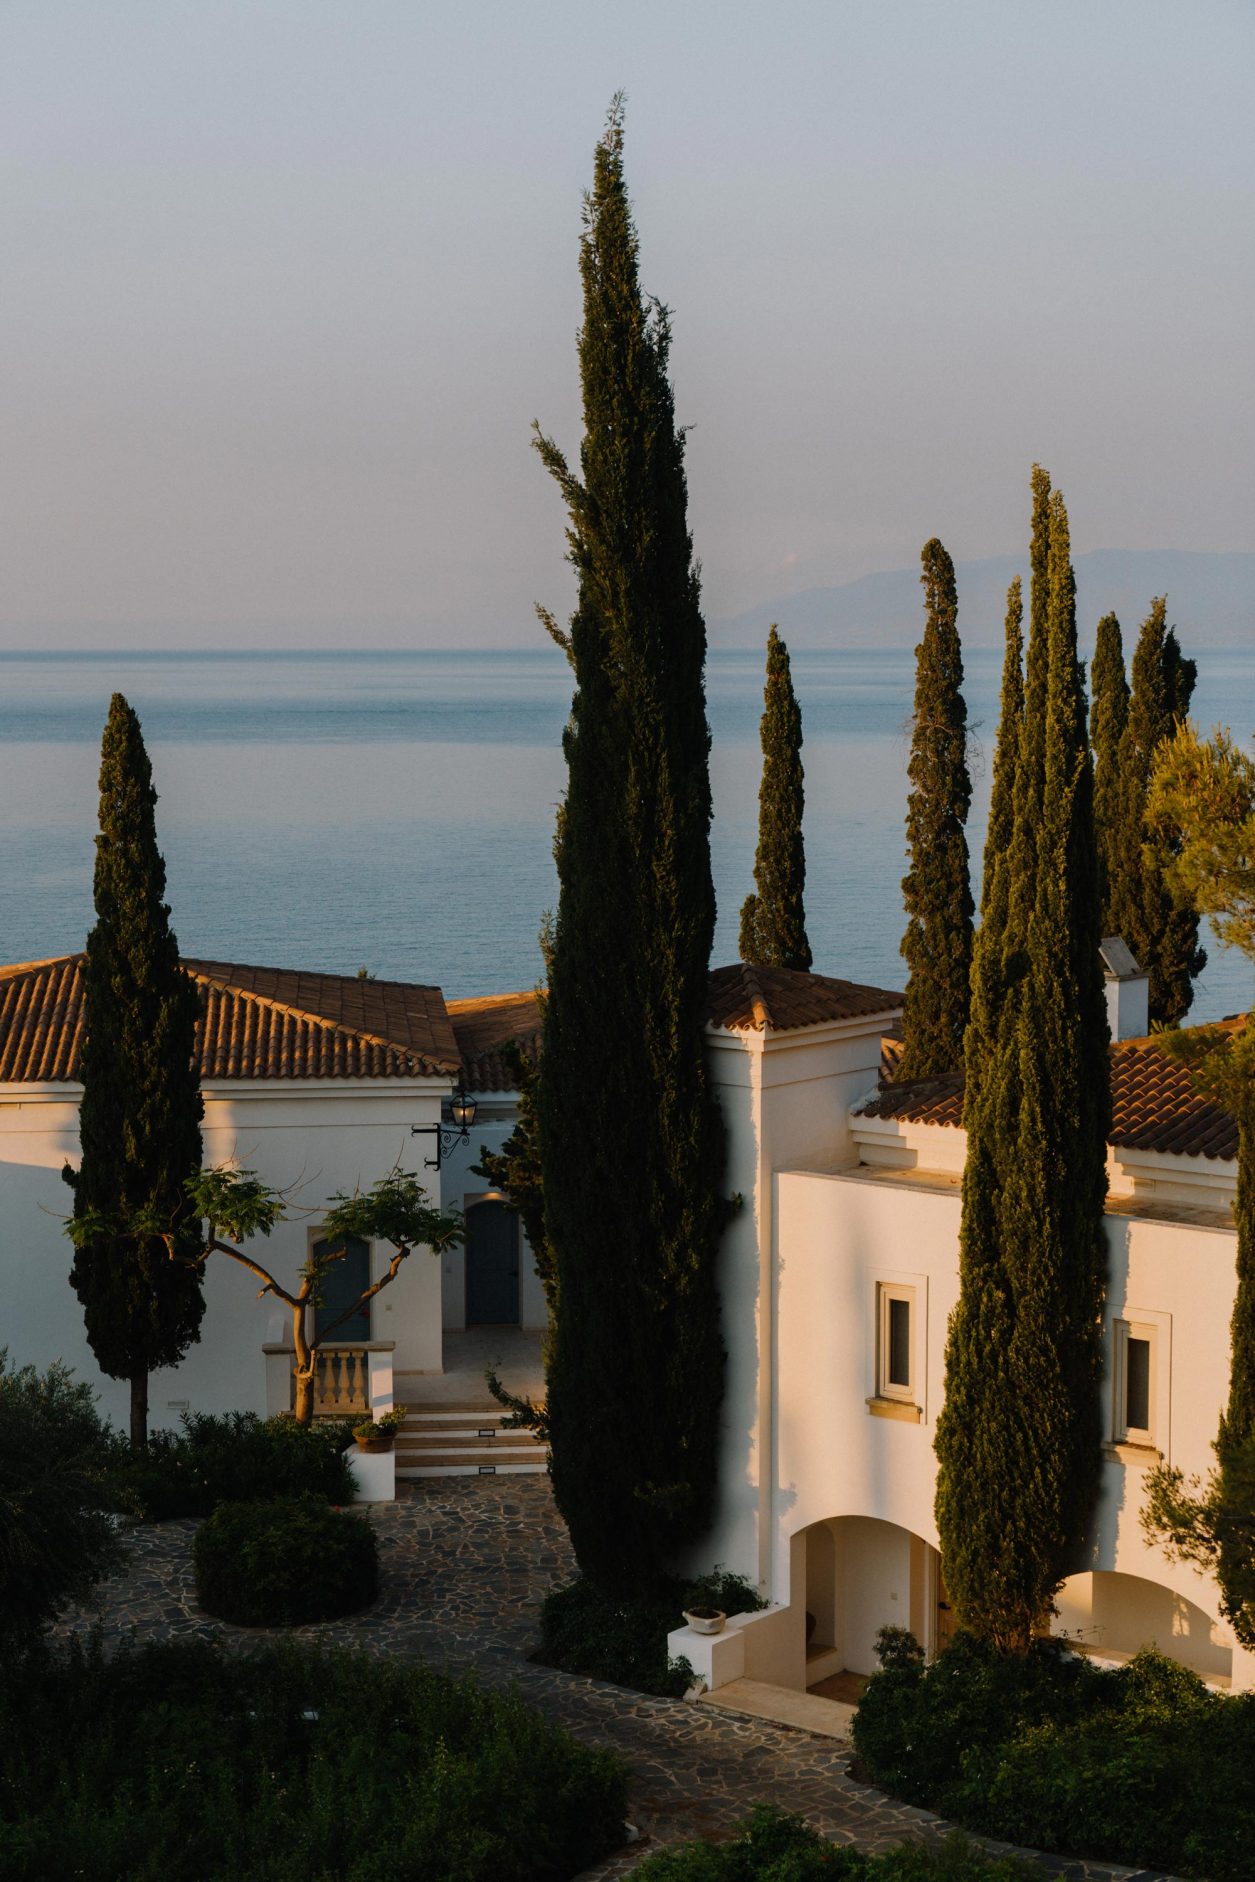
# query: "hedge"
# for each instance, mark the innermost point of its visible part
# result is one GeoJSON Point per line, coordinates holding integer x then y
{"type": "Point", "coordinates": [181, 1762]}
{"type": "Point", "coordinates": [284, 1563]}
{"type": "Point", "coordinates": [1140, 1765]}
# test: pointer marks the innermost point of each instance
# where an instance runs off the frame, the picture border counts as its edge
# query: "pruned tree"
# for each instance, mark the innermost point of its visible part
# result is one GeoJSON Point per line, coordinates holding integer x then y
{"type": "Point", "coordinates": [1018, 1434]}
{"type": "Point", "coordinates": [231, 1208]}
{"type": "Point", "coordinates": [773, 918]}
{"type": "Point", "coordinates": [937, 945]}
{"type": "Point", "coordinates": [1108, 715]}
{"type": "Point", "coordinates": [631, 1141]}
{"type": "Point", "coordinates": [140, 1115]}
{"type": "Point", "coordinates": [1141, 907]}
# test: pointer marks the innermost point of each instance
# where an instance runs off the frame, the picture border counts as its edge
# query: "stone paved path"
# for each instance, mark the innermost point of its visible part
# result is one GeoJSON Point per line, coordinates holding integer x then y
{"type": "Point", "coordinates": [466, 1562]}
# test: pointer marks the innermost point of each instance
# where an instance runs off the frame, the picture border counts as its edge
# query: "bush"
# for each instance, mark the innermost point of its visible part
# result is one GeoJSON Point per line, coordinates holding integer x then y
{"type": "Point", "coordinates": [1138, 1765]}
{"type": "Point", "coordinates": [284, 1563]}
{"type": "Point", "coordinates": [773, 1847]}
{"type": "Point", "coordinates": [238, 1457]}
{"type": "Point", "coordinates": [584, 1630]}
{"type": "Point", "coordinates": [56, 1536]}
{"type": "Point", "coordinates": [181, 1762]}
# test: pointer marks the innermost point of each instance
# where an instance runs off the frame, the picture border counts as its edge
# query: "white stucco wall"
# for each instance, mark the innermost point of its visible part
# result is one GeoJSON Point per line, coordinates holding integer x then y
{"type": "Point", "coordinates": [312, 1138]}
{"type": "Point", "coordinates": [838, 1235]}
{"type": "Point", "coordinates": [784, 1096]}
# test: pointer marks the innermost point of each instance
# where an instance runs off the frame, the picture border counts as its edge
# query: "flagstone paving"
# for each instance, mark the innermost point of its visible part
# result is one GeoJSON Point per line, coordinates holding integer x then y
{"type": "Point", "coordinates": [466, 1562]}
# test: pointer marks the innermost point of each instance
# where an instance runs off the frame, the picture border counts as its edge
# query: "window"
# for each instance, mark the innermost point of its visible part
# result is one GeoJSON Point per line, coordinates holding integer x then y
{"type": "Point", "coordinates": [1135, 1368]}
{"type": "Point", "coordinates": [895, 1358]}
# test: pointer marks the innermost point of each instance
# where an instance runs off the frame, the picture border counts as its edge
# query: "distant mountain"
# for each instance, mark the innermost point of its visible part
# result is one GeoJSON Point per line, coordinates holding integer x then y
{"type": "Point", "coordinates": [1211, 598]}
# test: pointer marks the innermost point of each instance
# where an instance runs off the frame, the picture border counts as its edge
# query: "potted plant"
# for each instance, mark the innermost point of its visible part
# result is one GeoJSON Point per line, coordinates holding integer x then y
{"type": "Point", "coordinates": [705, 1620]}
{"type": "Point", "coordinates": [380, 1434]}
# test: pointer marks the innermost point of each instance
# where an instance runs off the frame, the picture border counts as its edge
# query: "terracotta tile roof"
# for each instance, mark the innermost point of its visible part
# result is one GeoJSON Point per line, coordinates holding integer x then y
{"type": "Point", "coordinates": [482, 1027]}
{"type": "Point", "coordinates": [256, 1022]}
{"type": "Point", "coordinates": [1155, 1105]}
{"type": "Point", "coordinates": [745, 999]}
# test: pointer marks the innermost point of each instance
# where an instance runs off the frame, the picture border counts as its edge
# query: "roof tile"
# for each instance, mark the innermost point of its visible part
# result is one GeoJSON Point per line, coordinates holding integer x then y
{"type": "Point", "coordinates": [255, 1022]}
{"type": "Point", "coordinates": [1155, 1104]}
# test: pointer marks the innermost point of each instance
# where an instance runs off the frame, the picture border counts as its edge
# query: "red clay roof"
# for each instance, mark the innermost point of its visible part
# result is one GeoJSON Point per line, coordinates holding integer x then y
{"type": "Point", "coordinates": [255, 1022]}
{"type": "Point", "coordinates": [482, 1027]}
{"type": "Point", "coordinates": [747, 999]}
{"type": "Point", "coordinates": [1154, 1103]}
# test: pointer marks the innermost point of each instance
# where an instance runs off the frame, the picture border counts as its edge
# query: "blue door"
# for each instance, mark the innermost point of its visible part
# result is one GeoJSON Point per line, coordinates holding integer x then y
{"type": "Point", "coordinates": [492, 1266]}
{"type": "Point", "coordinates": [343, 1281]}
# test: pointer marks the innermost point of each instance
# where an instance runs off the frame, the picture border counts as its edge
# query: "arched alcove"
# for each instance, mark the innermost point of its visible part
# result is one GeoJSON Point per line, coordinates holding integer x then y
{"type": "Point", "coordinates": [1114, 1614]}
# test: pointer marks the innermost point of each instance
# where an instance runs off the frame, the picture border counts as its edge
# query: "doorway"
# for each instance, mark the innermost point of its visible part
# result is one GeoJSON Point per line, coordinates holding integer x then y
{"type": "Point", "coordinates": [492, 1265]}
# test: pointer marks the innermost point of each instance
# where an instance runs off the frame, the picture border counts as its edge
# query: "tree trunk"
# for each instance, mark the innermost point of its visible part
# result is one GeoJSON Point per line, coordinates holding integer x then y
{"type": "Point", "coordinates": [139, 1411]}
{"type": "Point", "coordinates": [303, 1370]}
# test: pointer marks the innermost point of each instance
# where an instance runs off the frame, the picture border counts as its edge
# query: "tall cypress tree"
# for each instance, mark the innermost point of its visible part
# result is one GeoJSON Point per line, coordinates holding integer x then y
{"type": "Point", "coordinates": [1018, 1435]}
{"type": "Point", "coordinates": [1108, 715]}
{"type": "Point", "coordinates": [139, 1120]}
{"type": "Point", "coordinates": [773, 920]}
{"type": "Point", "coordinates": [631, 1141]}
{"type": "Point", "coordinates": [937, 944]}
{"type": "Point", "coordinates": [1162, 932]}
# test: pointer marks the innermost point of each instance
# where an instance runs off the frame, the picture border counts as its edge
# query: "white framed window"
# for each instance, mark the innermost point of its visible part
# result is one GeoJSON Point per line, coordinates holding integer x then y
{"type": "Point", "coordinates": [895, 1342]}
{"type": "Point", "coordinates": [1135, 1374]}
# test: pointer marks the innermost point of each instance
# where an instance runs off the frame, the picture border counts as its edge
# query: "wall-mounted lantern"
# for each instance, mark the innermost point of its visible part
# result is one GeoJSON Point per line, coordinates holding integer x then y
{"type": "Point", "coordinates": [463, 1110]}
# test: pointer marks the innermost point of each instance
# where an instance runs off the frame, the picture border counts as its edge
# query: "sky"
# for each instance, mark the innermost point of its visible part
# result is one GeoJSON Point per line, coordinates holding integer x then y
{"type": "Point", "coordinates": [288, 281]}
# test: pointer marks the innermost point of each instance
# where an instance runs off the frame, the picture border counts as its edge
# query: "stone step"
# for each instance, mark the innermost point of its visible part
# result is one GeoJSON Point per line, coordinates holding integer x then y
{"type": "Point", "coordinates": [472, 1464]}
{"type": "Point", "coordinates": [462, 1440]}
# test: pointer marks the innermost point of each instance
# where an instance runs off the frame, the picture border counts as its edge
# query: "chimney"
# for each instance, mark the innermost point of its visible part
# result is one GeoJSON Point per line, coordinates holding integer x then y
{"type": "Point", "coordinates": [1128, 990]}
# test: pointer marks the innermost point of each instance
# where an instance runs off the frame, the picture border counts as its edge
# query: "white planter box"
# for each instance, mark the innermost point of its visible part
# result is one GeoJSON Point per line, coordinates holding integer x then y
{"type": "Point", "coordinates": [375, 1475]}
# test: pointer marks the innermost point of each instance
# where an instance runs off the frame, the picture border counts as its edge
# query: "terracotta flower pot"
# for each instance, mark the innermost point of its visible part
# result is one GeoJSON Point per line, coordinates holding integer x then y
{"type": "Point", "coordinates": [384, 1442]}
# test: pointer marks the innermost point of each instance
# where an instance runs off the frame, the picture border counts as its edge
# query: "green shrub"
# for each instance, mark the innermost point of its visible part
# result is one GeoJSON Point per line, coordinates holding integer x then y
{"type": "Point", "coordinates": [237, 1457]}
{"type": "Point", "coordinates": [181, 1762]}
{"type": "Point", "coordinates": [284, 1563]}
{"type": "Point", "coordinates": [773, 1847]}
{"type": "Point", "coordinates": [56, 1536]}
{"type": "Point", "coordinates": [1139, 1765]}
{"type": "Point", "coordinates": [584, 1630]}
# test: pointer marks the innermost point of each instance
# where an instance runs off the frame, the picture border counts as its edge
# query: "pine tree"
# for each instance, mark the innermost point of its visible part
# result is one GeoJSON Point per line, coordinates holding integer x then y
{"type": "Point", "coordinates": [1018, 1435]}
{"type": "Point", "coordinates": [937, 944]}
{"type": "Point", "coordinates": [1162, 933]}
{"type": "Point", "coordinates": [139, 1120]}
{"type": "Point", "coordinates": [1202, 798]}
{"type": "Point", "coordinates": [773, 920]}
{"type": "Point", "coordinates": [1108, 715]}
{"type": "Point", "coordinates": [630, 1138]}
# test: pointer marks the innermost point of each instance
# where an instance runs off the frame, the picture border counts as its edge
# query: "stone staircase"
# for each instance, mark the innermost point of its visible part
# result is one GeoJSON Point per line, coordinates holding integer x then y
{"type": "Point", "coordinates": [465, 1440]}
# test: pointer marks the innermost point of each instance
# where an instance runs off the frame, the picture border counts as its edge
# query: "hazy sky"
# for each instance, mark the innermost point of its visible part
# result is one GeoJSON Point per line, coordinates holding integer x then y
{"type": "Point", "coordinates": [287, 281]}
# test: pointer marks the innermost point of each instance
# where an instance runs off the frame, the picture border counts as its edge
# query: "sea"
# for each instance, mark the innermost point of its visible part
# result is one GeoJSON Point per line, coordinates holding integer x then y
{"type": "Point", "coordinates": [394, 811]}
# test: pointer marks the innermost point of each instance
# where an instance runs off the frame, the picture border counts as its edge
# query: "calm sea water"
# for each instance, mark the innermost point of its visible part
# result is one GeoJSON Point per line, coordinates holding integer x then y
{"type": "Point", "coordinates": [395, 811]}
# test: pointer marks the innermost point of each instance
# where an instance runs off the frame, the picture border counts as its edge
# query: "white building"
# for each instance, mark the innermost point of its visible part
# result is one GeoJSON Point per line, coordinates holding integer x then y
{"type": "Point", "coordinates": [838, 1278]}
{"type": "Point", "coordinates": [316, 1082]}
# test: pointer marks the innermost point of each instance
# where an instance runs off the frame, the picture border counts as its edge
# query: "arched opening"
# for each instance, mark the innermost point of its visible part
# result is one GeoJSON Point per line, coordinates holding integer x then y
{"type": "Point", "coordinates": [863, 1574]}
{"type": "Point", "coordinates": [492, 1265]}
{"type": "Point", "coordinates": [1113, 1616]}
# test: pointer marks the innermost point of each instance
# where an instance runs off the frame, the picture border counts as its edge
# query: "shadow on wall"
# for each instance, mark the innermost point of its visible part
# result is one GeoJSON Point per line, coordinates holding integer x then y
{"type": "Point", "coordinates": [1118, 1614]}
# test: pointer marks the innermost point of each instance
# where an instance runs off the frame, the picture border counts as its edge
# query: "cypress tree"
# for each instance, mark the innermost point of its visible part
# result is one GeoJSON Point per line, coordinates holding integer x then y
{"type": "Point", "coordinates": [1018, 1436]}
{"type": "Point", "coordinates": [937, 944]}
{"type": "Point", "coordinates": [1162, 933]}
{"type": "Point", "coordinates": [139, 1120]}
{"type": "Point", "coordinates": [1108, 715]}
{"type": "Point", "coordinates": [630, 1138]}
{"type": "Point", "coordinates": [773, 920]}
